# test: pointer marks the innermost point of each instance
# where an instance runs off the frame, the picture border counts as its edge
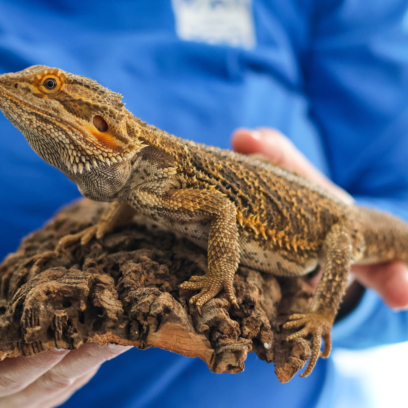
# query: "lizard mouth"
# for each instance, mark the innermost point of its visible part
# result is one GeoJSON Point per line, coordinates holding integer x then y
{"type": "Point", "coordinates": [102, 140]}
{"type": "Point", "coordinates": [17, 102]}
{"type": "Point", "coordinates": [24, 106]}
{"type": "Point", "coordinates": [93, 146]}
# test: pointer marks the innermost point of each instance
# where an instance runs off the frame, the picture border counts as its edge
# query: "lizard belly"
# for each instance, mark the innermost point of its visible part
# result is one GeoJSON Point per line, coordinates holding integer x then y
{"type": "Point", "coordinates": [195, 231]}
{"type": "Point", "coordinates": [277, 262]}
{"type": "Point", "coordinates": [253, 255]}
{"type": "Point", "coordinates": [258, 256]}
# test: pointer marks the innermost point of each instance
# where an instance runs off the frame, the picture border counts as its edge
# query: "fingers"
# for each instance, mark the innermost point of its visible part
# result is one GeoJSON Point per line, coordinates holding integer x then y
{"type": "Point", "coordinates": [268, 142]}
{"type": "Point", "coordinates": [62, 377]}
{"type": "Point", "coordinates": [17, 373]}
{"type": "Point", "coordinates": [389, 280]}
{"type": "Point", "coordinates": [281, 151]}
{"type": "Point", "coordinates": [60, 398]}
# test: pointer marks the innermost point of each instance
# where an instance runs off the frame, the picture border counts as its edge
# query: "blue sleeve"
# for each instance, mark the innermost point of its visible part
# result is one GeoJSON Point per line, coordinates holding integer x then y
{"type": "Point", "coordinates": [357, 76]}
{"type": "Point", "coordinates": [358, 88]}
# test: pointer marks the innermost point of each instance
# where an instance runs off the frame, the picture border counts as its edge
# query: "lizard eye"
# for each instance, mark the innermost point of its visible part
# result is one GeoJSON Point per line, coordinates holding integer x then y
{"type": "Point", "coordinates": [50, 83]}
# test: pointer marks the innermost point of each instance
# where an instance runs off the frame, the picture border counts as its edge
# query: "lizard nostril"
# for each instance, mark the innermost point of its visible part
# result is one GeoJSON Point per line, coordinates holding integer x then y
{"type": "Point", "coordinates": [100, 123]}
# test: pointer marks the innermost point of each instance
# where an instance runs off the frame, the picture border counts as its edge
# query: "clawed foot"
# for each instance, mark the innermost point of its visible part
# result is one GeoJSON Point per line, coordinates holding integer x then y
{"type": "Point", "coordinates": [210, 287]}
{"type": "Point", "coordinates": [318, 327]}
{"type": "Point", "coordinates": [82, 237]}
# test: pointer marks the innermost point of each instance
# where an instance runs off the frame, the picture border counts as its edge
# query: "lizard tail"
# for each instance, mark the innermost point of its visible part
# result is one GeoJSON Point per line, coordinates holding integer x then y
{"type": "Point", "coordinates": [385, 237]}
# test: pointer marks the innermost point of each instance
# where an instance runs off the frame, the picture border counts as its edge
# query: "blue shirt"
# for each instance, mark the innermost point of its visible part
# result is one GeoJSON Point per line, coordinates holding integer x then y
{"type": "Point", "coordinates": [332, 75]}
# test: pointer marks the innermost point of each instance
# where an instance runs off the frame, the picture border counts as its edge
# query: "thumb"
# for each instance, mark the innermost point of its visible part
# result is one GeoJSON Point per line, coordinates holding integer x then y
{"type": "Point", "coordinates": [389, 280]}
{"type": "Point", "coordinates": [268, 142]}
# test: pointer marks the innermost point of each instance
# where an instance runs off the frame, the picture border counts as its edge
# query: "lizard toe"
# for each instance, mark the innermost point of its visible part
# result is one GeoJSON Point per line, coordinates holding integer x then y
{"type": "Point", "coordinates": [327, 345]}
{"type": "Point", "coordinates": [194, 299]}
{"type": "Point", "coordinates": [316, 345]}
{"type": "Point", "coordinates": [210, 285]}
{"type": "Point", "coordinates": [318, 327]}
{"type": "Point", "coordinates": [82, 237]}
{"type": "Point", "coordinates": [196, 279]}
{"type": "Point", "coordinates": [207, 294]}
{"type": "Point", "coordinates": [192, 285]}
{"type": "Point", "coordinates": [67, 241]}
{"type": "Point", "coordinates": [88, 234]}
{"type": "Point", "coordinates": [229, 290]}
{"type": "Point", "coordinates": [294, 324]}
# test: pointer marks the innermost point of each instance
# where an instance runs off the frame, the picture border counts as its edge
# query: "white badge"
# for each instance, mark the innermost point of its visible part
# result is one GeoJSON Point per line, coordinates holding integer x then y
{"type": "Point", "coordinates": [215, 21]}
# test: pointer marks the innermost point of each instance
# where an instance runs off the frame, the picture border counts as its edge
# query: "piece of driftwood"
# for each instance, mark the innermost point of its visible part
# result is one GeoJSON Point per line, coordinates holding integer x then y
{"type": "Point", "coordinates": [124, 289]}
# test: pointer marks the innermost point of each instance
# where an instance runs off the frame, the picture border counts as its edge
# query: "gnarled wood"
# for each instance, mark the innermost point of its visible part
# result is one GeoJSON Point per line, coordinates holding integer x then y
{"type": "Point", "coordinates": [125, 289]}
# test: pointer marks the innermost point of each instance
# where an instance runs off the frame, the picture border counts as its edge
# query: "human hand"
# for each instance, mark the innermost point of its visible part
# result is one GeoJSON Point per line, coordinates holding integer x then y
{"type": "Point", "coordinates": [389, 280]}
{"type": "Point", "coordinates": [48, 379]}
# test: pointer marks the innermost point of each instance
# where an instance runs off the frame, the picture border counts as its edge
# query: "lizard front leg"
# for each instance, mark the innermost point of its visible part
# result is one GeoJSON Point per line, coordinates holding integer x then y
{"type": "Point", "coordinates": [318, 321]}
{"type": "Point", "coordinates": [223, 246]}
{"type": "Point", "coordinates": [115, 213]}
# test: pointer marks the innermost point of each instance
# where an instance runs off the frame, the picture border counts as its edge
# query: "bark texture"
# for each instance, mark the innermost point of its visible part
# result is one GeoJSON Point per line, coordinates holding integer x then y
{"type": "Point", "coordinates": [124, 289]}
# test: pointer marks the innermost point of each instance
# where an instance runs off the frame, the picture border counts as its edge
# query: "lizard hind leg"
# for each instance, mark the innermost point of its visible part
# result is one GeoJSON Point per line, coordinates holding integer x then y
{"type": "Point", "coordinates": [318, 321]}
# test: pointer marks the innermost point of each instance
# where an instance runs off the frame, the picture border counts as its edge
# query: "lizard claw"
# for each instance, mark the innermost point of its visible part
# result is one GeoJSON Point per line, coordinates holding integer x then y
{"type": "Point", "coordinates": [115, 212]}
{"type": "Point", "coordinates": [82, 237]}
{"type": "Point", "coordinates": [209, 288]}
{"type": "Point", "coordinates": [315, 325]}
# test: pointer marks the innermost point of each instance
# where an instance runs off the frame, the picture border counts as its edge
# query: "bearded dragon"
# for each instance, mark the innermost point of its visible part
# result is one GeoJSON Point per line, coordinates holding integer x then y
{"type": "Point", "coordinates": [241, 209]}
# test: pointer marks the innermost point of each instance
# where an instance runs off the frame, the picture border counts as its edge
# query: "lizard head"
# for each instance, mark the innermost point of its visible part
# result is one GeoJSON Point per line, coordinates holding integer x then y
{"type": "Point", "coordinates": [72, 122]}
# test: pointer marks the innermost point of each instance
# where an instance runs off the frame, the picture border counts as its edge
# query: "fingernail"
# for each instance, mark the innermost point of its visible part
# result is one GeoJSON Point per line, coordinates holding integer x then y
{"type": "Point", "coordinates": [60, 351]}
{"type": "Point", "coordinates": [117, 348]}
{"type": "Point", "coordinates": [256, 134]}
{"type": "Point", "coordinates": [400, 309]}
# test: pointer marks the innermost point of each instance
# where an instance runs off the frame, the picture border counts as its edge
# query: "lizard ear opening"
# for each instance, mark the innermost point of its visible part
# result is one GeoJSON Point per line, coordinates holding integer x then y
{"type": "Point", "coordinates": [100, 123]}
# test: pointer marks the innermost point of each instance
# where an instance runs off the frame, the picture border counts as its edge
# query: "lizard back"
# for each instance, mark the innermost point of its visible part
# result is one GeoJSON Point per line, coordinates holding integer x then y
{"type": "Point", "coordinates": [275, 207]}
